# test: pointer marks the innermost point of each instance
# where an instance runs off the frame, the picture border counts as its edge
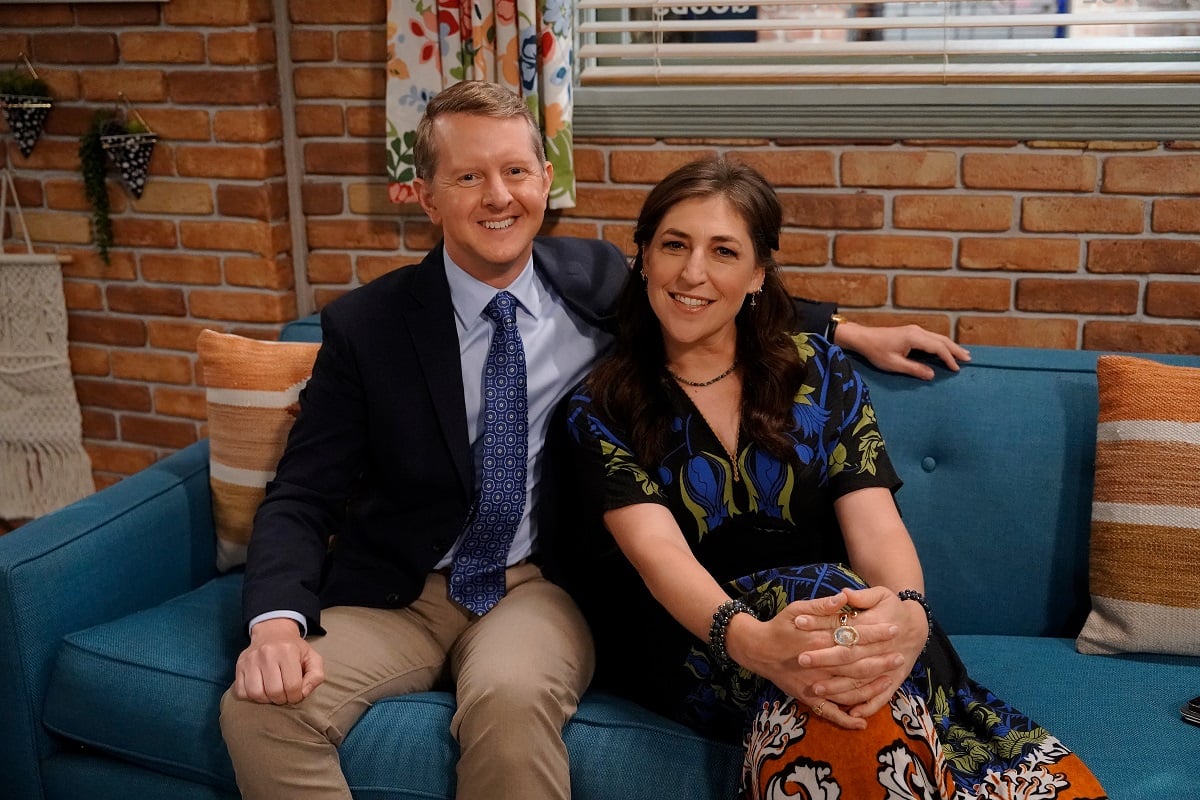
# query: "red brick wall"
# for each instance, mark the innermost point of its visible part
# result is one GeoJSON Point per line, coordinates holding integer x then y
{"type": "Point", "coordinates": [1053, 244]}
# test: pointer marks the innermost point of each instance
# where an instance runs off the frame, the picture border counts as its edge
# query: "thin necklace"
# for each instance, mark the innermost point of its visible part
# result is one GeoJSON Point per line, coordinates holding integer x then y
{"type": "Point", "coordinates": [700, 384]}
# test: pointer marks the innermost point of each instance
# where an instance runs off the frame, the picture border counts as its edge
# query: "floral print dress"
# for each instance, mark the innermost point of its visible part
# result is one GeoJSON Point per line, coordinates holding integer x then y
{"type": "Point", "coordinates": [768, 533]}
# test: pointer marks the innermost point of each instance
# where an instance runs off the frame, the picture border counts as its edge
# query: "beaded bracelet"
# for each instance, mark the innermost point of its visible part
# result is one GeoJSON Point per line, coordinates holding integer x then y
{"type": "Point", "coordinates": [716, 634]}
{"type": "Point", "coordinates": [913, 594]}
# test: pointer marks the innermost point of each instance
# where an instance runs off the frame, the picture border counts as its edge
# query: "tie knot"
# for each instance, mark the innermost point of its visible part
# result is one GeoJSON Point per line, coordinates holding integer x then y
{"type": "Point", "coordinates": [502, 308]}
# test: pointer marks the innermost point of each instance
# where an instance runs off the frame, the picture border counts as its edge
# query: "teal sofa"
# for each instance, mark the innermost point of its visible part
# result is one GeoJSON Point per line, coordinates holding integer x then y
{"type": "Point", "coordinates": [117, 636]}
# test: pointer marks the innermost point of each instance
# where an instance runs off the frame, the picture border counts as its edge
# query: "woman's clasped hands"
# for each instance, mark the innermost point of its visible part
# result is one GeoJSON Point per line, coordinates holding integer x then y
{"type": "Point", "coordinates": [844, 684]}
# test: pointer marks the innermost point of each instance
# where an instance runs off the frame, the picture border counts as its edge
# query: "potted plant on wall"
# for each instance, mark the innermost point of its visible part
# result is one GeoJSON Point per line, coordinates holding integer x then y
{"type": "Point", "coordinates": [128, 143]}
{"type": "Point", "coordinates": [26, 101]}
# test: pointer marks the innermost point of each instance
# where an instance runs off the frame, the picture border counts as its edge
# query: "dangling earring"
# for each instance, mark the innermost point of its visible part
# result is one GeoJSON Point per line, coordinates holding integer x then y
{"type": "Point", "coordinates": [754, 297]}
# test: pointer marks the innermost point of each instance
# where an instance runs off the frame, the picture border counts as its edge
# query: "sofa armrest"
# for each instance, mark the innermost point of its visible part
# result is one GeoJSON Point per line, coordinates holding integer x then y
{"type": "Point", "coordinates": [129, 547]}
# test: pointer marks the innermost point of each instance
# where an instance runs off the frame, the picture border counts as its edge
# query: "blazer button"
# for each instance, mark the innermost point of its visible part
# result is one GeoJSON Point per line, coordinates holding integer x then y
{"type": "Point", "coordinates": [393, 599]}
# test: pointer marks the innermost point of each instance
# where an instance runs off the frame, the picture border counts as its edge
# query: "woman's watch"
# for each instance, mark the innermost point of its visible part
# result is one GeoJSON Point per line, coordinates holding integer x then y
{"type": "Point", "coordinates": [834, 321]}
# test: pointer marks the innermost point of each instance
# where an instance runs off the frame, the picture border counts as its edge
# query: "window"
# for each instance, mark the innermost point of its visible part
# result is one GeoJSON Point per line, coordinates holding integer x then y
{"type": "Point", "coordinates": [1012, 68]}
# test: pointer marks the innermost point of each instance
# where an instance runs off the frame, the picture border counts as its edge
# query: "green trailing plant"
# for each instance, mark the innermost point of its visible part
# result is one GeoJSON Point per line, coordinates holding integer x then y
{"type": "Point", "coordinates": [19, 82]}
{"type": "Point", "coordinates": [93, 163]}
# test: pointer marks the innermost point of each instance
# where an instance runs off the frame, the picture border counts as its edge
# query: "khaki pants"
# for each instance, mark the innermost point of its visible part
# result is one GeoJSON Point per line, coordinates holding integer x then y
{"type": "Point", "coordinates": [521, 667]}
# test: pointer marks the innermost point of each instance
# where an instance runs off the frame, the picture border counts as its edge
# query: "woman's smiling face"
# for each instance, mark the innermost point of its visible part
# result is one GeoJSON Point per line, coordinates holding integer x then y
{"type": "Point", "coordinates": [699, 267]}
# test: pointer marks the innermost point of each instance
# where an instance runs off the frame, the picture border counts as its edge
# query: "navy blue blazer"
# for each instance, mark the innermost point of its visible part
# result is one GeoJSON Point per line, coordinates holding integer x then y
{"type": "Point", "coordinates": [378, 457]}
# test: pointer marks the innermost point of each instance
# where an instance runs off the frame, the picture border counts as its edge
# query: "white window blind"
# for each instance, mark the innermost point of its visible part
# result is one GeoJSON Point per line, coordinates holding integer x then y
{"type": "Point", "coordinates": [644, 42]}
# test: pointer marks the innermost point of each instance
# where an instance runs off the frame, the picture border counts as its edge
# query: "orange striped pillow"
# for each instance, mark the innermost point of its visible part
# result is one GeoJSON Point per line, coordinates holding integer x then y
{"type": "Point", "coordinates": [1145, 546]}
{"type": "Point", "coordinates": [253, 389]}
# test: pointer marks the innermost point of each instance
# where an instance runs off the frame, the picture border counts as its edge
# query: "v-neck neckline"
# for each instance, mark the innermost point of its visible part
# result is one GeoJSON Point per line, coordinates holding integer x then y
{"type": "Point", "coordinates": [732, 455]}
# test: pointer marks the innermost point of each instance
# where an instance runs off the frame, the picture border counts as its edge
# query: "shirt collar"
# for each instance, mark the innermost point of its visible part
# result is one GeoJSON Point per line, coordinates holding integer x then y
{"type": "Point", "coordinates": [470, 295]}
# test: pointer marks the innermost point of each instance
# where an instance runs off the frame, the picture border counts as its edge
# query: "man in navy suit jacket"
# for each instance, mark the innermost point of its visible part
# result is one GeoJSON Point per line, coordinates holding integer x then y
{"type": "Point", "coordinates": [345, 592]}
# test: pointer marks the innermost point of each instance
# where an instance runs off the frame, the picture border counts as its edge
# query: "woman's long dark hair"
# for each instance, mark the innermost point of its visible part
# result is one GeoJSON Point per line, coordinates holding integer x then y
{"type": "Point", "coordinates": [628, 385]}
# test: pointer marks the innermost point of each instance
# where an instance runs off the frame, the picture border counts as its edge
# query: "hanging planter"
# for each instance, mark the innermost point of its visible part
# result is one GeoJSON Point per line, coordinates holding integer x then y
{"type": "Point", "coordinates": [129, 145]}
{"type": "Point", "coordinates": [25, 99]}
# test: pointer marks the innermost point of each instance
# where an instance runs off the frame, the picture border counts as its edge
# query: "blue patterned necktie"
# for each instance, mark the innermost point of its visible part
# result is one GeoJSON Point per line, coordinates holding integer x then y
{"type": "Point", "coordinates": [477, 577]}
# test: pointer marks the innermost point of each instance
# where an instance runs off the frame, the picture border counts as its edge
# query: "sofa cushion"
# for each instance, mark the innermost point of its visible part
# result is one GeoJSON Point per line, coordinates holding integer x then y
{"type": "Point", "coordinates": [252, 391]}
{"type": "Point", "coordinates": [1145, 543]}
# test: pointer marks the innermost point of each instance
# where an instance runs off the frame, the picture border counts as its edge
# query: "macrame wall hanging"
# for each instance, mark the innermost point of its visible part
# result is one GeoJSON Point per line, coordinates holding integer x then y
{"type": "Point", "coordinates": [43, 465]}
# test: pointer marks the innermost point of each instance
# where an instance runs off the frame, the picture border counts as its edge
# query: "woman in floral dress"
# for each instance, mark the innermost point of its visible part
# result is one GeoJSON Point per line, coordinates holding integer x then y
{"type": "Point", "coordinates": [753, 578]}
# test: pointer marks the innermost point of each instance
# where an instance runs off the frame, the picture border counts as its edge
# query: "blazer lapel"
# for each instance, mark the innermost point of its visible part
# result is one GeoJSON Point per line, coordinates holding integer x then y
{"type": "Point", "coordinates": [430, 318]}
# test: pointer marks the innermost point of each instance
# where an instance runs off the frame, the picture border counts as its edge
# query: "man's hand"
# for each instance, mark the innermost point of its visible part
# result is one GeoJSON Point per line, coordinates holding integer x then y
{"type": "Point", "coordinates": [279, 666]}
{"type": "Point", "coordinates": [888, 348]}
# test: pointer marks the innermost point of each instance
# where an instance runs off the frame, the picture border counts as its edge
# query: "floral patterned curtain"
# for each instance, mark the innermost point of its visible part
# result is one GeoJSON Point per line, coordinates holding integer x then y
{"type": "Point", "coordinates": [523, 44]}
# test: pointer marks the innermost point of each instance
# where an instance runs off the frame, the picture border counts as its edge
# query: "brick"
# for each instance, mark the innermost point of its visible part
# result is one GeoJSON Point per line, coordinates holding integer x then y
{"type": "Point", "coordinates": [370, 199]}
{"type": "Point", "coordinates": [1157, 175]}
{"type": "Point", "coordinates": [1175, 215]}
{"type": "Point", "coordinates": [132, 232]}
{"type": "Point", "coordinates": [953, 212]}
{"type": "Point", "coordinates": [230, 161]}
{"type": "Point", "coordinates": [64, 83]}
{"type": "Point", "coordinates": [180, 268]}
{"type": "Point", "coordinates": [603, 203]}
{"type": "Point", "coordinates": [319, 120]}
{"type": "Point", "coordinates": [249, 237]}
{"type": "Point", "coordinates": [323, 297]}
{"type": "Point", "coordinates": [124, 14]}
{"type": "Point", "coordinates": [322, 12]}
{"type": "Point", "coordinates": [1082, 214]}
{"type": "Point", "coordinates": [259, 273]}
{"type": "Point", "coordinates": [88, 264]}
{"type": "Point", "coordinates": [76, 47]}
{"type": "Point", "coordinates": [162, 47]}
{"type": "Point", "coordinates": [845, 289]}
{"type": "Point", "coordinates": [1077, 296]}
{"type": "Point", "coordinates": [345, 158]}
{"type": "Point", "coordinates": [51, 226]}
{"type": "Point", "coordinates": [121, 459]}
{"type": "Point", "coordinates": [242, 87]}
{"type": "Point", "coordinates": [312, 45]}
{"type": "Point", "coordinates": [88, 360]}
{"type": "Point", "coordinates": [816, 168]}
{"type": "Point", "coordinates": [359, 83]}
{"type": "Point", "coordinates": [1173, 299]}
{"type": "Point", "coordinates": [1111, 146]}
{"type": "Point", "coordinates": [157, 431]}
{"type": "Point", "coordinates": [963, 294]}
{"type": "Point", "coordinates": [322, 199]}
{"type": "Point", "coordinates": [83, 296]}
{"type": "Point", "coordinates": [421, 236]}
{"type": "Point", "coordinates": [899, 169]}
{"type": "Point", "coordinates": [1129, 337]}
{"type": "Point", "coordinates": [189, 403]}
{"type": "Point", "coordinates": [106, 394]}
{"type": "Point", "coordinates": [650, 166]}
{"type": "Point", "coordinates": [1041, 254]}
{"type": "Point", "coordinates": [804, 250]}
{"type": "Point", "coordinates": [141, 365]}
{"type": "Point", "coordinates": [240, 48]}
{"type": "Point", "coordinates": [106, 330]}
{"type": "Point", "coordinates": [133, 299]}
{"type": "Point", "coordinates": [329, 268]}
{"type": "Point", "coordinates": [366, 120]}
{"type": "Point", "coordinates": [879, 250]}
{"type": "Point", "coordinates": [67, 195]}
{"type": "Point", "coordinates": [1005, 331]}
{"type": "Point", "coordinates": [178, 124]}
{"type": "Point", "coordinates": [242, 306]}
{"type": "Point", "coordinates": [1141, 256]}
{"type": "Point", "coordinates": [138, 85]}
{"type": "Point", "coordinates": [254, 125]}
{"type": "Point", "coordinates": [50, 154]}
{"type": "Point", "coordinates": [174, 335]}
{"type": "Point", "coordinates": [12, 44]}
{"type": "Point", "coordinates": [99, 424]}
{"type": "Point", "coordinates": [369, 268]}
{"type": "Point", "coordinates": [856, 211]}
{"type": "Point", "coordinates": [555, 226]}
{"type": "Point", "coordinates": [27, 16]}
{"type": "Point", "coordinates": [938, 323]}
{"type": "Point", "coordinates": [264, 202]}
{"type": "Point", "coordinates": [590, 164]}
{"type": "Point", "coordinates": [175, 197]}
{"type": "Point", "coordinates": [353, 234]}
{"type": "Point", "coordinates": [29, 192]}
{"type": "Point", "coordinates": [1030, 172]}
{"type": "Point", "coordinates": [367, 44]}
{"type": "Point", "coordinates": [72, 121]}
{"type": "Point", "coordinates": [217, 13]}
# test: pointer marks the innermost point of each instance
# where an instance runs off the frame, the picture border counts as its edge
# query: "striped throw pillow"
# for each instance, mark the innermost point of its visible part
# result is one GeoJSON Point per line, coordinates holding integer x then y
{"type": "Point", "coordinates": [252, 390]}
{"type": "Point", "coordinates": [1145, 546]}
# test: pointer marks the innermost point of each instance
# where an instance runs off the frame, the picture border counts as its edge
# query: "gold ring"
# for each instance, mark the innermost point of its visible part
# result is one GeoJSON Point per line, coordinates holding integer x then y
{"type": "Point", "coordinates": [819, 706]}
{"type": "Point", "coordinates": [845, 634]}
